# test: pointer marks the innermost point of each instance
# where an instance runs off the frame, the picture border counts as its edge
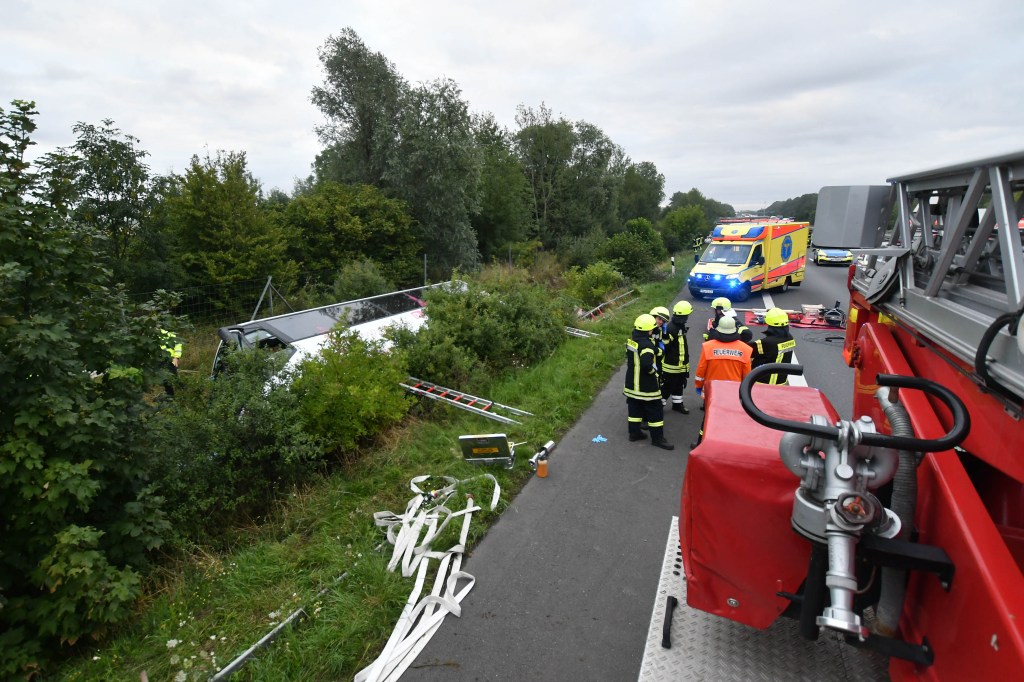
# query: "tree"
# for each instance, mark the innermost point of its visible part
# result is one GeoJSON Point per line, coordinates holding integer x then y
{"type": "Point", "coordinates": [504, 214]}
{"type": "Point", "coordinates": [362, 100]}
{"type": "Point", "coordinates": [76, 359]}
{"type": "Point", "coordinates": [545, 148]}
{"type": "Point", "coordinates": [713, 210]}
{"type": "Point", "coordinates": [588, 192]}
{"type": "Point", "coordinates": [332, 224]}
{"type": "Point", "coordinates": [436, 170]}
{"type": "Point", "coordinates": [109, 187]}
{"type": "Point", "coordinates": [222, 232]}
{"type": "Point", "coordinates": [630, 254]}
{"type": "Point", "coordinates": [643, 188]}
{"type": "Point", "coordinates": [685, 224]}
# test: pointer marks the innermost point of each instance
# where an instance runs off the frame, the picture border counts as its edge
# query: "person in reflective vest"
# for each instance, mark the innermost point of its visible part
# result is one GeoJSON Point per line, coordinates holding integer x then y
{"type": "Point", "coordinates": [171, 345]}
{"type": "Point", "coordinates": [723, 308]}
{"type": "Point", "coordinates": [724, 357]}
{"type": "Point", "coordinates": [643, 386]}
{"type": "Point", "coordinates": [676, 362]}
{"type": "Point", "coordinates": [661, 317]}
{"type": "Point", "coordinates": [776, 346]}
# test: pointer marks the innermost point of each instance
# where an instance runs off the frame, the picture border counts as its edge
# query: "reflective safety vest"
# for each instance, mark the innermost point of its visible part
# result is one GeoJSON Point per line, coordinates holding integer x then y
{"type": "Point", "coordinates": [170, 344]}
{"type": "Point", "coordinates": [772, 349]}
{"type": "Point", "coordinates": [642, 380]}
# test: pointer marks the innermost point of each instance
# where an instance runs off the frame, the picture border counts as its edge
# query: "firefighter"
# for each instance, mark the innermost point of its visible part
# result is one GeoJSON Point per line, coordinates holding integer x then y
{"type": "Point", "coordinates": [643, 388]}
{"type": "Point", "coordinates": [723, 308]}
{"type": "Point", "coordinates": [661, 317]}
{"type": "Point", "coordinates": [676, 363]}
{"type": "Point", "coordinates": [172, 346]}
{"type": "Point", "coordinates": [725, 357]}
{"type": "Point", "coordinates": [776, 346]}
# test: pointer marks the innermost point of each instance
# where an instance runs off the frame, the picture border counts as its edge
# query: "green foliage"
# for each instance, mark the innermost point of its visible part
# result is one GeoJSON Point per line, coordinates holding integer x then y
{"type": "Point", "coordinates": [630, 254]}
{"type": "Point", "coordinates": [360, 279]}
{"type": "Point", "coordinates": [713, 210]}
{"type": "Point", "coordinates": [332, 224]}
{"type": "Point", "coordinates": [683, 225]}
{"type": "Point", "coordinates": [582, 250]}
{"type": "Point", "coordinates": [436, 171]}
{"type": "Point", "coordinates": [643, 229]}
{"type": "Point", "coordinates": [221, 231]}
{"type": "Point", "coordinates": [643, 188]}
{"type": "Point", "coordinates": [109, 187]}
{"type": "Point", "coordinates": [233, 444]}
{"type": "Point", "coordinates": [350, 392]}
{"type": "Point", "coordinates": [504, 214]}
{"type": "Point", "coordinates": [361, 97]}
{"type": "Point", "coordinates": [801, 208]}
{"type": "Point", "coordinates": [504, 321]}
{"type": "Point", "coordinates": [76, 440]}
{"type": "Point", "coordinates": [593, 284]}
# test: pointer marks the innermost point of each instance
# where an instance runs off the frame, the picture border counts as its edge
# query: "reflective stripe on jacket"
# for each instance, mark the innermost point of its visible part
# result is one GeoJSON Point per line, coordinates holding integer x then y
{"type": "Point", "coordinates": [774, 348]}
{"type": "Point", "coordinates": [642, 380]}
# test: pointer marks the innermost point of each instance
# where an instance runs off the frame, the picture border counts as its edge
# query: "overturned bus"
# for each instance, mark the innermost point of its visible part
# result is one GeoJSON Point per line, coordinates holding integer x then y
{"type": "Point", "coordinates": [301, 335]}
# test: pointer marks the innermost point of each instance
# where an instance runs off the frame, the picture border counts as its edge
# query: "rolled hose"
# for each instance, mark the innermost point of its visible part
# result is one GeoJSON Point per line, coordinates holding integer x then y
{"type": "Point", "coordinates": [955, 436]}
{"type": "Point", "coordinates": [904, 505]}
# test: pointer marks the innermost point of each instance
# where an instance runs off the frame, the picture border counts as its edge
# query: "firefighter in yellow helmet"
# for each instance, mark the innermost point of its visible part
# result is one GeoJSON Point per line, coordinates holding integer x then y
{"type": "Point", "coordinates": [723, 308]}
{"type": "Point", "coordinates": [643, 386]}
{"type": "Point", "coordinates": [676, 362]}
{"type": "Point", "coordinates": [776, 346]}
{"type": "Point", "coordinates": [661, 317]}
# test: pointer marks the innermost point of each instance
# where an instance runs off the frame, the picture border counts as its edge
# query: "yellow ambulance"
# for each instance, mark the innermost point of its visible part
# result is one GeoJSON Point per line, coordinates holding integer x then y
{"type": "Point", "coordinates": [746, 257]}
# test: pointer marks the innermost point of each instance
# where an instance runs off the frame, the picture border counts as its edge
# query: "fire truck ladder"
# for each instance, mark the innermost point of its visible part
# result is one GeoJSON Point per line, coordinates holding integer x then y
{"type": "Point", "coordinates": [464, 401]}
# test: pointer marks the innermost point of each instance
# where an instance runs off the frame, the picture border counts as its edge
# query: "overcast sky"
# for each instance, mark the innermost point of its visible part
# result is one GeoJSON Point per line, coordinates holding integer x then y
{"type": "Point", "coordinates": [746, 100]}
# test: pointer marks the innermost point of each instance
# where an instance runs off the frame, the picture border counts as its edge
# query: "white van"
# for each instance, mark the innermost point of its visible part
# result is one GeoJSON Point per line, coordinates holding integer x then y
{"type": "Point", "coordinates": [303, 334]}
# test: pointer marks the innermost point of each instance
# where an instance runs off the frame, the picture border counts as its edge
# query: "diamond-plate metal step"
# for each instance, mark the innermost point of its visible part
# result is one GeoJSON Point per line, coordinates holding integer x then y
{"type": "Point", "coordinates": [708, 647]}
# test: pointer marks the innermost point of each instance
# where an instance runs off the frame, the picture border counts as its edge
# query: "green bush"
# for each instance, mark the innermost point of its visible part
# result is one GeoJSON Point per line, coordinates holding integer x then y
{"type": "Point", "coordinates": [433, 356]}
{"type": "Point", "coordinates": [582, 250]}
{"type": "Point", "coordinates": [350, 392]}
{"type": "Point", "coordinates": [503, 321]}
{"type": "Point", "coordinates": [629, 254]}
{"type": "Point", "coordinates": [360, 279]}
{"type": "Point", "coordinates": [594, 284]}
{"type": "Point", "coordinates": [233, 445]}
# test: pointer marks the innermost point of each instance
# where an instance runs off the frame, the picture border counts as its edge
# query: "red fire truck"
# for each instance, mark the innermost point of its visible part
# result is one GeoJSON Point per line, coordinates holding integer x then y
{"type": "Point", "coordinates": [900, 528]}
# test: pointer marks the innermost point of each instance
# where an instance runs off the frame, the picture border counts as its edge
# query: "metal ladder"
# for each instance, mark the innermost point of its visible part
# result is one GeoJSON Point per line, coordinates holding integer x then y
{"type": "Point", "coordinates": [464, 401]}
{"type": "Point", "coordinates": [581, 333]}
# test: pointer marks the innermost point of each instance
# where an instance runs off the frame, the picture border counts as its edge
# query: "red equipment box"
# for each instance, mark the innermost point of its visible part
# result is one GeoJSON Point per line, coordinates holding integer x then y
{"type": "Point", "coordinates": [738, 545]}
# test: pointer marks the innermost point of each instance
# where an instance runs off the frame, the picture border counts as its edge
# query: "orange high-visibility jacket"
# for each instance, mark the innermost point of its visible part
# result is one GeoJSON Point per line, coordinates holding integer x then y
{"type": "Point", "coordinates": [728, 360]}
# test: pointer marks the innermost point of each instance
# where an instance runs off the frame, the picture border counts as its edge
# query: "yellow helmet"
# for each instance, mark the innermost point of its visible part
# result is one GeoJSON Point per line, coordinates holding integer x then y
{"type": "Point", "coordinates": [721, 302]}
{"type": "Point", "coordinates": [776, 317]}
{"type": "Point", "coordinates": [645, 323]}
{"type": "Point", "coordinates": [682, 308]}
{"type": "Point", "coordinates": [661, 311]}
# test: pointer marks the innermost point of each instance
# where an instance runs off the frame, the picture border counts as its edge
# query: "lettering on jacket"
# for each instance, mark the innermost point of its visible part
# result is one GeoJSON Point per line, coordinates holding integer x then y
{"type": "Point", "coordinates": [729, 352]}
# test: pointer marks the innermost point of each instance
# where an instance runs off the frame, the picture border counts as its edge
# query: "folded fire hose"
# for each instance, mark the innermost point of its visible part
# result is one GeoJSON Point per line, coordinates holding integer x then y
{"type": "Point", "coordinates": [425, 515]}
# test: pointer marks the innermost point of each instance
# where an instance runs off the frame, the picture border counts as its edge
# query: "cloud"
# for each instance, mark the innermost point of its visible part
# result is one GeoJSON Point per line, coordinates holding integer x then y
{"type": "Point", "coordinates": [747, 101]}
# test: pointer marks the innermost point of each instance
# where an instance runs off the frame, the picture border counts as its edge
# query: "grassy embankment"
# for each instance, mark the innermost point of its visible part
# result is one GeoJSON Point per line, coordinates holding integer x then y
{"type": "Point", "coordinates": [208, 609]}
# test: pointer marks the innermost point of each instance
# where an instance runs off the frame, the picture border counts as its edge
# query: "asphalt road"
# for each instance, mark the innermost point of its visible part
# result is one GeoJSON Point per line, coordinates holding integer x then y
{"type": "Point", "coordinates": [566, 579]}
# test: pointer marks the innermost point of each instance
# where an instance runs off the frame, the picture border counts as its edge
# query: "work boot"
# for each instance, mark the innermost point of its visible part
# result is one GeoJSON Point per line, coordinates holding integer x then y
{"type": "Point", "coordinates": [644, 427]}
{"type": "Point", "coordinates": [637, 436]}
{"type": "Point", "coordinates": [679, 407]}
{"type": "Point", "coordinates": [663, 444]}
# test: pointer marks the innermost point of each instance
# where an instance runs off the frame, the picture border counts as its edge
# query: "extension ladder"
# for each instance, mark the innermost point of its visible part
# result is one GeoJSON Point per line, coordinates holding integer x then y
{"type": "Point", "coordinates": [464, 401]}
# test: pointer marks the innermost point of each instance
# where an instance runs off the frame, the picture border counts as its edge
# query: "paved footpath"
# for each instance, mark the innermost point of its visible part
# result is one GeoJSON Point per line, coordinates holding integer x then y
{"type": "Point", "coordinates": [566, 578]}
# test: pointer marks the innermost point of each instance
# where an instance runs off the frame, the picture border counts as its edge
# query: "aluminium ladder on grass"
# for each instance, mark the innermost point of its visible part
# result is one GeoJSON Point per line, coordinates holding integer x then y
{"type": "Point", "coordinates": [464, 401]}
{"type": "Point", "coordinates": [581, 333]}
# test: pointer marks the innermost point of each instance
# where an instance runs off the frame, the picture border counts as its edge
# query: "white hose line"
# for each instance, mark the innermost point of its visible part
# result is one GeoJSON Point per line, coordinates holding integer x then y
{"type": "Point", "coordinates": [421, 618]}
